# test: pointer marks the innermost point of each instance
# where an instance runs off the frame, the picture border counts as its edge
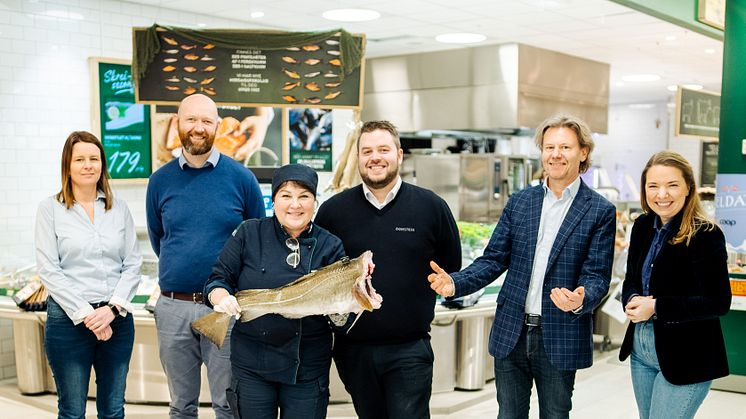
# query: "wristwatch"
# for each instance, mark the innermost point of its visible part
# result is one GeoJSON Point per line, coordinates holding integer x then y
{"type": "Point", "coordinates": [113, 309]}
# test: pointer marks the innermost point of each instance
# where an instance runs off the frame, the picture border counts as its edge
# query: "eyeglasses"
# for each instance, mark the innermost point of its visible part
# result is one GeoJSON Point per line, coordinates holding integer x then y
{"type": "Point", "coordinates": [293, 259]}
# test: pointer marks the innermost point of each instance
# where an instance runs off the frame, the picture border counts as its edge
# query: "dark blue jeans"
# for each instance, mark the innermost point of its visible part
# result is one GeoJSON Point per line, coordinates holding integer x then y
{"type": "Point", "coordinates": [254, 397]}
{"type": "Point", "coordinates": [387, 381]}
{"type": "Point", "coordinates": [514, 376]}
{"type": "Point", "coordinates": [73, 349]}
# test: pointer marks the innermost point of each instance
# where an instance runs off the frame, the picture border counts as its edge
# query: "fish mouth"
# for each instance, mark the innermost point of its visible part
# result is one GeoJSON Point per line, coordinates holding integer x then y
{"type": "Point", "coordinates": [363, 290]}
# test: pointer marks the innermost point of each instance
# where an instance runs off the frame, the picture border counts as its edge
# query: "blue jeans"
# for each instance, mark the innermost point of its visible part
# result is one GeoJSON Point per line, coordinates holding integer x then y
{"type": "Point", "coordinates": [182, 353]}
{"type": "Point", "coordinates": [671, 400]}
{"type": "Point", "coordinates": [515, 374]}
{"type": "Point", "coordinates": [387, 381]}
{"type": "Point", "coordinates": [258, 398]}
{"type": "Point", "coordinates": [73, 349]}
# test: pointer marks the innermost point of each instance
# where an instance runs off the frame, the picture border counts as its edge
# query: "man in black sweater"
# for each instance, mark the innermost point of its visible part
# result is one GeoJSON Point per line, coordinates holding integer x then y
{"type": "Point", "coordinates": [386, 361]}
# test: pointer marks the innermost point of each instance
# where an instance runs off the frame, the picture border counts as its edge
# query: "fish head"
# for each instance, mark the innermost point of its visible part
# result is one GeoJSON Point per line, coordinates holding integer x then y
{"type": "Point", "coordinates": [363, 290]}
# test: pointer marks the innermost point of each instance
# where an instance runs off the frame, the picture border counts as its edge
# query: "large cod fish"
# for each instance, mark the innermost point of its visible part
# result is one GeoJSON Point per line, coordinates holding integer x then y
{"type": "Point", "coordinates": [340, 288]}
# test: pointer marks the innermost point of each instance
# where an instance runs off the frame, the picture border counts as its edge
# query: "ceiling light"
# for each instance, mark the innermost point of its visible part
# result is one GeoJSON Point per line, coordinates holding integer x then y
{"type": "Point", "coordinates": [256, 15]}
{"type": "Point", "coordinates": [672, 87]}
{"type": "Point", "coordinates": [641, 77]}
{"type": "Point", "coordinates": [671, 38]}
{"type": "Point", "coordinates": [460, 38]}
{"type": "Point", "coordinates": [692, 86]}
{"type": "Point", "coordinates": [351, 15]}
{"type": "Point", "coordinates": [709, 50]}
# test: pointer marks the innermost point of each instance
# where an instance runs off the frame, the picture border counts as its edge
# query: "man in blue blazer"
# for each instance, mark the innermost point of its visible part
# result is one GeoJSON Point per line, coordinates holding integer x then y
{"type": "Point", "coordinates": [556, 241]}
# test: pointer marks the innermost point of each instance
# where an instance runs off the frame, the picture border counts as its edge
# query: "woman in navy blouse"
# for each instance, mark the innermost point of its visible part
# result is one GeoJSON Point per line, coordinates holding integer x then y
{"type": "Point", "coordinates": [676, 288]}
{"type": "Point", "coordinates": [278, 364]}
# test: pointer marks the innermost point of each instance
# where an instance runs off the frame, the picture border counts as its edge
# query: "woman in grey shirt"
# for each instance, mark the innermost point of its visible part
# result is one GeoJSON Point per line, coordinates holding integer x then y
{"type": "Point", "coordinates": [89, 261]}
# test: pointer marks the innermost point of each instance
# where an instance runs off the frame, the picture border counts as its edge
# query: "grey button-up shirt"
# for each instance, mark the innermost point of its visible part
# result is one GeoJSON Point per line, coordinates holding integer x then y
{"type": "Point", "coordinates": [82, 262]}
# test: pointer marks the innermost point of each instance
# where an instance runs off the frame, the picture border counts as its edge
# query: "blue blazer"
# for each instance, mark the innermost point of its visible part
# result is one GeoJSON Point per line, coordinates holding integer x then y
{"type": "Point", "coordinates": [581, 254]}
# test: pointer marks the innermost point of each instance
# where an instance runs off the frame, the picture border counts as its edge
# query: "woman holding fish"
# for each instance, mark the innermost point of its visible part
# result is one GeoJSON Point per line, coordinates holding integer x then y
{"type": "Point", "coordinates": [278, 363]}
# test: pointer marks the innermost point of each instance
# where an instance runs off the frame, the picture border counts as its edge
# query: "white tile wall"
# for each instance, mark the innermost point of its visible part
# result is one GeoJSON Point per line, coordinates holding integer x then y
{"type": "Point", "coordinates": [44, 95]}
{"type": "Point", "coordinates": [634, 135]}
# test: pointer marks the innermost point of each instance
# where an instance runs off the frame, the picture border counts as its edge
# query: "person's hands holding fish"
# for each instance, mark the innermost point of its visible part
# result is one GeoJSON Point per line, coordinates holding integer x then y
{"type": "Point", "coordinates": [440, 281]}
{"type": "Point", "coordinates": [223, 302]}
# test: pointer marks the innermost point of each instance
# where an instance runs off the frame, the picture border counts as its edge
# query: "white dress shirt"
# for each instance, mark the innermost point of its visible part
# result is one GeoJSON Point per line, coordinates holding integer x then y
{"type": "Point", "coordinates": [82, 262]}
{"type": "Point", "coordinates": [553, 212]}
{"type": "Point", "coordinates": [389, 197]}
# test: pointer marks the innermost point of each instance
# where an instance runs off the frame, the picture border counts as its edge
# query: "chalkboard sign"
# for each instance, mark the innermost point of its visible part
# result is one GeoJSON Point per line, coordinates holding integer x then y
{"type": "Point", "coordinates": [697, 113]}
{"type": "Point", "coordinates": [122, 125]}
{"type": "Point", "coordinates": [709, 168]}
{"type": "Point", "coordinates": [307, 76]}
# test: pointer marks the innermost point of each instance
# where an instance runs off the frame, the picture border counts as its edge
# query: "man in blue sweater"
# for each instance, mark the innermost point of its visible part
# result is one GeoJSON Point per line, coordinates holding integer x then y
{"type": "Point", "coordinates": [386, 361]}
{"type": "Point", "coordinates": [193, 205]}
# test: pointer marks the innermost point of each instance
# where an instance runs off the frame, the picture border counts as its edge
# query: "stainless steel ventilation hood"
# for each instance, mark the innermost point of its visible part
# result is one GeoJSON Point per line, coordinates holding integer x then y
{"type": "Point", "coordinates": [489, 88]}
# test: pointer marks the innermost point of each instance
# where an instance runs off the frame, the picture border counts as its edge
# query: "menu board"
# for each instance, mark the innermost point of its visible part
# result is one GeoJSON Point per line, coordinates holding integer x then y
{"type": "Point", "coordinates": [709, 168]}
{"type": "Point", "coordinates": [304, 76]}
{"type": "Point", "coordinates": [123, 126]}
{"type": "Point", "coordinates": [697, 113]}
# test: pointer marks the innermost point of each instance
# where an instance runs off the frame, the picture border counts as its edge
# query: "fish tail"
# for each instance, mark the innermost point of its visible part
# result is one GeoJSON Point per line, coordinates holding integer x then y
{"type": "Point", "coordinates": [213, 326]}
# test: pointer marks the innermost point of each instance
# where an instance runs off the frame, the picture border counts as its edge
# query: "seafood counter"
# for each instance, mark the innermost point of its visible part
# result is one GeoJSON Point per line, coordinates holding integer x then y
{"type": "Point", "coordinates": [459, 340]}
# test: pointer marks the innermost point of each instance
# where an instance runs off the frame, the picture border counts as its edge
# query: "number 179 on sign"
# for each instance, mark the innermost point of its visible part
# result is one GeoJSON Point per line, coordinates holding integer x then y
{"type": "Point", "coordinates": [124, 161]}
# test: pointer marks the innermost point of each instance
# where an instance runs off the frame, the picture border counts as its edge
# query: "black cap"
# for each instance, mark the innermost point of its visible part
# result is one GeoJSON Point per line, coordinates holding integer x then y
{"type": "Point", "coordinates": [297, 173]}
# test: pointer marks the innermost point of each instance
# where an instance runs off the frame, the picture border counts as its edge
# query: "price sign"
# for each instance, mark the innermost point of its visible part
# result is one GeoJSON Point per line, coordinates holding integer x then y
{"type": "Point", "coordinates": [124, 126]}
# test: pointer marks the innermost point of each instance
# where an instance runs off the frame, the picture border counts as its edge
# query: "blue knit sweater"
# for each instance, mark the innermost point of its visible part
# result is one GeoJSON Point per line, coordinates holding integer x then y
{"type": "Point", "coordinates": [192, 212]}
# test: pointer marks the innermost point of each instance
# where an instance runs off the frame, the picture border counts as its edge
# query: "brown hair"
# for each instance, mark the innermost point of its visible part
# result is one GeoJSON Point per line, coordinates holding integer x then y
{"type": "Point", "coordinates": [695, 217]}
{"type": "Point", "coordinates": [371, 126]}
{"type": "Point", "coordinates": [581, 129]}
{"type": "Point", "coordinates": [65, 195]}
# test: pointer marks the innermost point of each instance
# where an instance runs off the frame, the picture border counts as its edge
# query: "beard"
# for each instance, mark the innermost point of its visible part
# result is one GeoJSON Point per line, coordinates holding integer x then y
{"type": "Point", "coordinates": [391, 174]}
{"type": "Point", "coordinates": [193, 149]}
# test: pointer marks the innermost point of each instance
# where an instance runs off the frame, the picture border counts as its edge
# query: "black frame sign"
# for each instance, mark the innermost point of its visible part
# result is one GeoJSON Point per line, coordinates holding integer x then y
{"type": "Point", "coordinates": [709, 166]}
{"type": "Point", "coordinates": [697, 113]}
{"type": "Point", "coordinates": [122, 125]}
{"type": "Point", "coordinates": [305, 76]}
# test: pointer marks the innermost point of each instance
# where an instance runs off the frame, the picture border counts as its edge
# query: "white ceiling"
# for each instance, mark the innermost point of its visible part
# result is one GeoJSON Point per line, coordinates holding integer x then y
{"type": "Point", "coordinates": [600, 30]}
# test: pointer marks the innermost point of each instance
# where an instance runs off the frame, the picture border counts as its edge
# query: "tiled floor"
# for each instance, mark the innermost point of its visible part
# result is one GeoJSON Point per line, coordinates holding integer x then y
{"type": "Point", "coordinates": [603, 390]}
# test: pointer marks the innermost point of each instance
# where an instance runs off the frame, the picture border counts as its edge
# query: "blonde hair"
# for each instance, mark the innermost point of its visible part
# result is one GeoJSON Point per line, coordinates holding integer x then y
{"type": "Point", "coordinates": [694, 216]}
{"type": "Point", "coordinates": [65, 195]}
{"type": "Point", "coordinates": [581, 129]}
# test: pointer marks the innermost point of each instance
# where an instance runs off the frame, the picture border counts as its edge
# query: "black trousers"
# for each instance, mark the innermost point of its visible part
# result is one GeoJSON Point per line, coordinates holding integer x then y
{"type": "Point", "coordinates": [387, 381]}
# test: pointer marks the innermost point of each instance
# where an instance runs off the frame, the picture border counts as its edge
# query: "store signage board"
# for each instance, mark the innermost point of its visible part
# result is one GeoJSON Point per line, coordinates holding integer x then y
{"type": "Point", "coordinates": [697, 113]}
{"type": "Point", "coordinates": [122, 125]}
{"type": "Point", "coordinates": [712, 12]}
{"type": "Point", "coordinates": [730, 209]}
{"type": "Point", "coordinates": [307, 76]}
{"type": "Point", "coordinates": [310, 137]}
{"type": "Point", "coordinates": [709, 167]}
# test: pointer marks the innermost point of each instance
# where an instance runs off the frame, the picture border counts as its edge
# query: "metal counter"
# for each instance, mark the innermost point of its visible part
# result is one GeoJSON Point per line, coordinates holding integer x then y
{"type": "Point", "coordinates": [459, 363]}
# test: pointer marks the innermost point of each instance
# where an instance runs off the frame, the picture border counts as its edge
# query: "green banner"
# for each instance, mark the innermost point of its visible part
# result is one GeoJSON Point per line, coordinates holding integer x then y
{"type": "Point", "coordinates": [125, 125]}
{"type": "Point", "coordinates": [732, 127]}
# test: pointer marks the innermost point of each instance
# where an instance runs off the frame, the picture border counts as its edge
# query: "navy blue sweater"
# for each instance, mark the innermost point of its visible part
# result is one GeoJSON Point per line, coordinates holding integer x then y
{"type": "Point", "coordinates": [413, 229]}
{"type": "Point", "coordinates": [192, 212]}
{"type": "Point", "coordinates": [277, 349]}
